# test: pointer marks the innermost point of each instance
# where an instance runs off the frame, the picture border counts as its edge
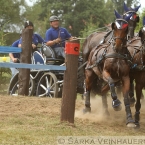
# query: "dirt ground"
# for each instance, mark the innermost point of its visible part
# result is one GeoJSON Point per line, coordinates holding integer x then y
{"type": "Point", "coordinates": [43, 115]}
{"type": "Point", "coordinates": [23, 105]}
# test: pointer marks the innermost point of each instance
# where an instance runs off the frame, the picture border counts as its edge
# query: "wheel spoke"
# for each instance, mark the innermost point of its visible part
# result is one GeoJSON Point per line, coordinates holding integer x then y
{"type": "Point", "coordinates": [50, 81]}
{"type": "Point", "coordinates": [52, 86]}
{"type": "Point", "coordinates": [52, 92]}
{"type": "Point", "coordinates": [50, 95]}
{"type": "Point", "coordinates": [47, 83]}
{"type": "Point", "coordinates": [43, 87]}
{"type": "Point", "coordinates": [42, 95]}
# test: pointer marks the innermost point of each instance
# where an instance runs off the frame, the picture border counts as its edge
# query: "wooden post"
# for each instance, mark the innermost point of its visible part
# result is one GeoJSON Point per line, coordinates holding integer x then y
{"type": "Point", "coordinates": [25, 57]}
{"type": "Point", "coordinates": [70, 81]}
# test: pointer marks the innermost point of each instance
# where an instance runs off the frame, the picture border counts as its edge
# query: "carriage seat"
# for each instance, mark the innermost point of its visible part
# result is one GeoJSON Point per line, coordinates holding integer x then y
{"type": "Point", "coordinates": [50, 56]}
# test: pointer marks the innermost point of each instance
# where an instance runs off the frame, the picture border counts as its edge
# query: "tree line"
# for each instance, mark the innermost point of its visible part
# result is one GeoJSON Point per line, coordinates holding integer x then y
{"type": "Point", "coordinates": [80, 17]}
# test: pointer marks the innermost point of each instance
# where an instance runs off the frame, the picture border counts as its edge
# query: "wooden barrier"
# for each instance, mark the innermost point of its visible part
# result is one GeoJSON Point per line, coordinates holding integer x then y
{"type": "Point", "coordinates": [32, 66]}
{"type": "Point", "coordinates": [10, 49]}
{"type": "Point", "coordinates": [70, 81]}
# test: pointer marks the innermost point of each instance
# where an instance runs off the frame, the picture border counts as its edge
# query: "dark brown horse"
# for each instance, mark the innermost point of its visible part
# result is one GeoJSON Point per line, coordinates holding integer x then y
{"type": "Point", "coordinates": [137, 50]}
{"type": "Point", "coordinates": [96, 38]}
{"type": "Point", "coordinates": [109, 62]}
{"type": "Point", "coordinates": [133, 20]}
{"type": "Point", "coordinates": [132, 25]}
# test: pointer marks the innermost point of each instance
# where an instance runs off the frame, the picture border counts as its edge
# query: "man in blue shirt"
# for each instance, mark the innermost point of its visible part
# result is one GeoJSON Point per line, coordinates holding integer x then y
{"type": "Point", "coordinates": [36, 38]}
{"type": "Point", "coordinates": [14, 57]}
{"type": "Point", "coordinates": [55, 37]}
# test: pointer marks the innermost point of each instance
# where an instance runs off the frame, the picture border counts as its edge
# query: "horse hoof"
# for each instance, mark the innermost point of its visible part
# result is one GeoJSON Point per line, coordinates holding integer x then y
{"type": "Point", "coordinates": [137, 127]}
{"type": "Point", "coordinates": [87, 110]}
{"type": "Point", "coordinates": [118, 108]}
{"type": "Point", "coordinates": [131, 125]}
{"type": "Point", "coordinates": [116, 103]}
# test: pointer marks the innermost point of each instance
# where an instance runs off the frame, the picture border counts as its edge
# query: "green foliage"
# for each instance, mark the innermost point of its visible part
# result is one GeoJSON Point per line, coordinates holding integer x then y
{"type": "Point", "coordinates": [33, 14]}
{"type": "Point", "coordinates": [75, 14]}
{"type": "Point", "coordinates": [140, 24]}
{"type": "Point", "coordinates": [118, 4]}
{"type": "Point", "coordinates": [89, 28]}
{"type": "Point", "coordinates": [2, 35]}
{"type": "Point", "coordinates": [5, 75]}
{"type": "Point", "coordinates": [10, 10]}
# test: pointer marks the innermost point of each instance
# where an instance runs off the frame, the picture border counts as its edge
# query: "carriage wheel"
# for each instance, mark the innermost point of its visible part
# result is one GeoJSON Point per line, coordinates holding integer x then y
{"type": "Point", "coordinates": [47, 86]}
{"type": "Point", "coordinates": [14, 91]}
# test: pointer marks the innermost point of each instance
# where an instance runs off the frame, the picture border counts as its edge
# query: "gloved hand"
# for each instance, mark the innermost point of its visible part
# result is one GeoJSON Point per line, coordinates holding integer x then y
{"type": "Point", "coordinates": [74, 37]}
{"type": "Point", "coordinates": [58, 40]}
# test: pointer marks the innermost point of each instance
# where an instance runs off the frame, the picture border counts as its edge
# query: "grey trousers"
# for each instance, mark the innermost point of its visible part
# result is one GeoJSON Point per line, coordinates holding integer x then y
{"type": "Point", "coordinates": [13, 70]}
{"type": "Point", "coordinates": [59, 51]}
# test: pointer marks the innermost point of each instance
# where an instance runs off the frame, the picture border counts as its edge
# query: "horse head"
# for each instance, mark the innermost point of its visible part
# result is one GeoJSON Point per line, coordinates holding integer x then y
{"type": "Point", "coordinates": [134, 19]}
{"type": "Point", "coordinates": [142, 34]}
{"type": "Point", "coordinates": [120, 30]}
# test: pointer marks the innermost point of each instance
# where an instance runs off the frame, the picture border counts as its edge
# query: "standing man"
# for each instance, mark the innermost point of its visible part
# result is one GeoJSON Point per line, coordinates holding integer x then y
{"type": "Point", "coordinates": [55, 37]}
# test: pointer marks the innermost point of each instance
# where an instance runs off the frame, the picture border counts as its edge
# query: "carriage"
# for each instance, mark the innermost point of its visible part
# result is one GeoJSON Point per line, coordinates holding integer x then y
{"type": "Point", "coordinates": [48, 83]}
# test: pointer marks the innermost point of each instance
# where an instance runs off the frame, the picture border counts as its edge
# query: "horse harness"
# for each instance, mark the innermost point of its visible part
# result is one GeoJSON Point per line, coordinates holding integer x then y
{"type": "Point", "coordinates": [138, 49]}
{"type": "Point", "coordinates": [106, 55]}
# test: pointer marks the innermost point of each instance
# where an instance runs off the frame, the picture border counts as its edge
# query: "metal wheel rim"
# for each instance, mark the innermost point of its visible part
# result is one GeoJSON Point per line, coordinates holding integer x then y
{"type": "Point", "coordinates": [47, 86]}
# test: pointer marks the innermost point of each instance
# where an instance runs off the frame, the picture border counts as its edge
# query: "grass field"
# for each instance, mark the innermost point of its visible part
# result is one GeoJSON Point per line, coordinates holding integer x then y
{"type": "Point", "coordinates": [36, 121]}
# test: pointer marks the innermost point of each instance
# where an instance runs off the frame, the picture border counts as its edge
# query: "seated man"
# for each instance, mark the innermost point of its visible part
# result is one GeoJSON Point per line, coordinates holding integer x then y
{"type": "Point", "coordinates": [14, 57]}
{"type": "Point", "coordinates": [55, 37]}
{"type": "Point", "coordinates": [36, 38]}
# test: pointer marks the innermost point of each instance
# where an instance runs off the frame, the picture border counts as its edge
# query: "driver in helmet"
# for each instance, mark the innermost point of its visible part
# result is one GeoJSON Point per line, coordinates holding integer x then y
{"type": "Point", "coordinates": [55, 37]}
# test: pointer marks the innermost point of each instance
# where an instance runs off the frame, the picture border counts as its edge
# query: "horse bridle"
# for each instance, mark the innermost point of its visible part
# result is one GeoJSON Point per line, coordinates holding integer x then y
{"type": "Point", "coordinates": [122, 39]}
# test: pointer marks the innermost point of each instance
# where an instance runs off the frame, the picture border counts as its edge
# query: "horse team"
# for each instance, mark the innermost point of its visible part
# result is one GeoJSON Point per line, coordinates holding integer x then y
{"type": "Point", "coordinates": [116, 57]}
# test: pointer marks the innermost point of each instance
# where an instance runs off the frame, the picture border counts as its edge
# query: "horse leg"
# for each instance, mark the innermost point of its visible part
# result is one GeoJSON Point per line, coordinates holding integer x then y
{"type": "Point", "coordinates": [88, 84]}
{"type": "Point", "coordinates": [131, 94]}
{"type": "Point", "coordinates": [142, 96]}
{"type": "Point", "coordinates": [104, 91]}
{"type": "Point", "coordinates": [116, 104]}
{"type": "Point", "coordinates": [119, 89]}
{"type": "Point", "coordinates": [105, 105]}
{"type": "Point", "coordinates": [138, 104]}
{"type": "Point", "coordinates": [126, 85]}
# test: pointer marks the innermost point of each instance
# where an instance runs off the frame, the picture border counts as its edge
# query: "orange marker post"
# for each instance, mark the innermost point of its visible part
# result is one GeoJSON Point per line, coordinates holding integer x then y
{"type": "Point", "coordinates": [70, 81]}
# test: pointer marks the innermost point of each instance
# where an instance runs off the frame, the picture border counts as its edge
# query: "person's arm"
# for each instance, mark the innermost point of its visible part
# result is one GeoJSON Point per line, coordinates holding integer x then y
{"type": "Point", "coordinates": [40, 39]}
{"type": "Point", "coordinates": [12, 57]}
{"type": "Point", "coordinates": [53, 42]}
{"type": "Point", "coordinates": [48, 39]}
{"type": "Point", "coordinates": [20, 44]}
